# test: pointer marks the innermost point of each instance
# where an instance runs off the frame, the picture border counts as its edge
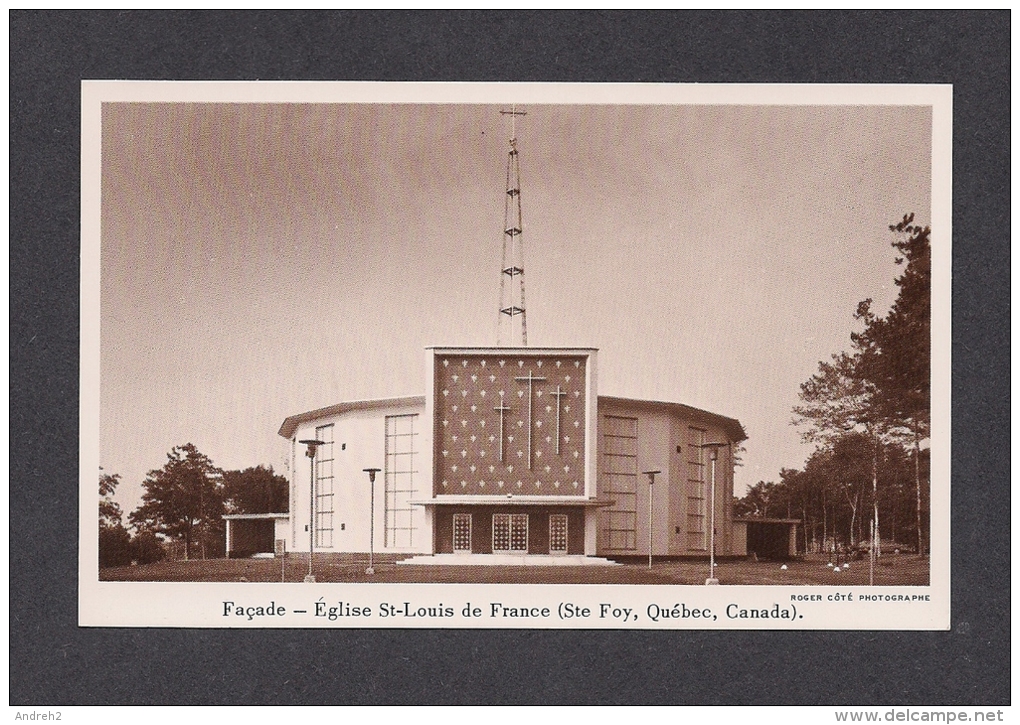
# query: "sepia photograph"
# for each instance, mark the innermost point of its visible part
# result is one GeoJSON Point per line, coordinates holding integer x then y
{"type": "Point", "coordinates": [265, 265]}
{"type": "Point", "coordinates": [390, 354]}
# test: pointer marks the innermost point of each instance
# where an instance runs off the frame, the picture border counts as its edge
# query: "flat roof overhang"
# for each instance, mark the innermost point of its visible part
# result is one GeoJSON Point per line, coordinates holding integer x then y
{"type": "Point", "coordinates": [754, 520]}
{"type": "Point", "coordinates": [512, 501]}
{"type": "Point", "coordinates": [253, 517]}
{"type": "Point", "coordinates": [732, 426]}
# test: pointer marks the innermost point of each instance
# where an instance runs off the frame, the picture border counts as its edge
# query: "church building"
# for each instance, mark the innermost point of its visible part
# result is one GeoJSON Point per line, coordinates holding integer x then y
{"type": "Point", "coordinates": [511, 452]}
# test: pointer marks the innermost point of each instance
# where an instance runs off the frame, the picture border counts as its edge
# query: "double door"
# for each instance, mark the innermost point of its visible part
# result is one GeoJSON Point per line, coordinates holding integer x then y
{"type": "Point", "coordinates": [509, 533]}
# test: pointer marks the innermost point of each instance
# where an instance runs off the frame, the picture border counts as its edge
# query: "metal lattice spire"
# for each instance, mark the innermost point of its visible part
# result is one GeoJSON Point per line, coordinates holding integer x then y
{"type": "Point", "coordinates": [511, 297]}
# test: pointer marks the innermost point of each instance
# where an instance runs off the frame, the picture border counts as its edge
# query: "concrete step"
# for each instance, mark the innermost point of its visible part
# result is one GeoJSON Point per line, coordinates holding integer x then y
{"type": "Point", "coordinates": [506, 560]}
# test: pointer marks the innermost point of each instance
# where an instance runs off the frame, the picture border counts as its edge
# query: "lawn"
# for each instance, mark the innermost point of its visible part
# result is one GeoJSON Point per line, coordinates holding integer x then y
{"type": "Point", "coordinates": [893, 570]}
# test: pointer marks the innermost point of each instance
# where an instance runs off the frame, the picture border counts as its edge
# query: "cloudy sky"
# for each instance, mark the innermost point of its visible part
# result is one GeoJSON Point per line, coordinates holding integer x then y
{"type": "Point", "coordinates": [261, 260]}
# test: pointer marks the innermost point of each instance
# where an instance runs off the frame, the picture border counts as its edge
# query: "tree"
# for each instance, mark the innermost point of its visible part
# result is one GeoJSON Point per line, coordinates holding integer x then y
{"type": "Point", "coordinates": [738, 455]}
{"type": "Point", "coordinates": [146, 548]}
{"type": "Point", "coordinates": [256, 490]}
{"type": "Point", "coordinates": [898, 346]}
{"type": "Point", "coordinates": [881, 390]}
{"type": "Point", "coordinates": [182, 500]}
{"type": "Point", "coordinates": [109, 512]}
{"type": "Point", "coordinates": [851, 467]}
{"type": "Point", "coordinates": [840, 403]}
{"type": "Point", "coordinates": [836, 400]}
{"type": "Point", "coordinates": [756, 501]}
{"type": "Point", "coordinates": [896, 349]}
{"type": "Point", "coordinates": [114, 540]}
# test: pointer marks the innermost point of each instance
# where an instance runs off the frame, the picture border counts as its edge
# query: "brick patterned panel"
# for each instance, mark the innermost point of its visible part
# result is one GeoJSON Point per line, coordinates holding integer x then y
{"type": "Point", "coordinates": [487, 405]}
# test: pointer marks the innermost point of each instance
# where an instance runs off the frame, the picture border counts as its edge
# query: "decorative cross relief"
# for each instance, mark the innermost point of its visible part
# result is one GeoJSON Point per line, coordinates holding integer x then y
{"type": "Point", "coordinates": [559, 394]}
{"type": "Point", "coordinates": [466, 434]}
{"type": "Point", "coordinates": [502, 410]}
{"type": "Point", "coordinates": [531, 380]}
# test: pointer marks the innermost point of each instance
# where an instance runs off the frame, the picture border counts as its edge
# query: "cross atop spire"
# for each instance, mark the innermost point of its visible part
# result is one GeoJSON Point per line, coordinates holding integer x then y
{"type": "Point", "coordinates": [513, 113]}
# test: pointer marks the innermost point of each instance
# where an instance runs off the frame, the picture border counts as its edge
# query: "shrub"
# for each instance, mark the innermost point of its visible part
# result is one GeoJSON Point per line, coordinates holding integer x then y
{"type": "Point", "coordinates": [114, 546]}
{"type": "Point", "coordinates": [146, 548]}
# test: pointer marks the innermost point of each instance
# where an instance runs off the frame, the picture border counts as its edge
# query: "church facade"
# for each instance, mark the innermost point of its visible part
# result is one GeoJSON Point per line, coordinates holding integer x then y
{"type": "Point", "coordinates": [512, 451]}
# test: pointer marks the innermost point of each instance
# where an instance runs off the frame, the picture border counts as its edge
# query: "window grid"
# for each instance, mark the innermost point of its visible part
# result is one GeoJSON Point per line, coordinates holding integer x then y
{"type": "Point", "coordinates": [619, 482]}
{"type": "Point", "coordinates": [697, 532]}
{"type": "Point", "coordinates": [461, 532]}
{"type": "Point", "coordinates": [510, 533]}
{"type": "Point", "coordinates": [400, 520]}
{"type": "Point", "coordinates": [324, 493]}
{"type": "Point", "coordinates": [558, 534]}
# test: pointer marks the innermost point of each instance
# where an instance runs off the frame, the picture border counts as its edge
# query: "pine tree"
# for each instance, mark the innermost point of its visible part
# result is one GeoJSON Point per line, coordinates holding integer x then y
{"type": "Point", "coordinates": [883, 388]}
{"type": "Point", "coordinates": [896, 349]}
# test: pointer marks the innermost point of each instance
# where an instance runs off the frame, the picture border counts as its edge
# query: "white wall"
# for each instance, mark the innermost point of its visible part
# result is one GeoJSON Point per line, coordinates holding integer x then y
{"type": "Point", "coordinates": [659, 434]}
{"type": "Point", "coordinates": [281, 530]}
{"type": "Point", "coordinates": [359, 442]}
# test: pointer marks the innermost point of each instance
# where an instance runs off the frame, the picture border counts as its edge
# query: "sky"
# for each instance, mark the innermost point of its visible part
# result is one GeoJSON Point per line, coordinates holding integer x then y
{"type": "Point", "coordinates": [262, 260]}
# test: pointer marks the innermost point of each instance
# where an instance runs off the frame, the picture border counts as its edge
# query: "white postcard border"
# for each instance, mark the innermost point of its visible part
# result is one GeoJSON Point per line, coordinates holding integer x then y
{"type": "Point", "coordinates": [148, 604]}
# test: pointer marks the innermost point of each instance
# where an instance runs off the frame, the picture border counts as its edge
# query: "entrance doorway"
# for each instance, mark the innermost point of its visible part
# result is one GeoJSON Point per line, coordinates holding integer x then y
{"type": "Point", "coordinates": [510, 533]}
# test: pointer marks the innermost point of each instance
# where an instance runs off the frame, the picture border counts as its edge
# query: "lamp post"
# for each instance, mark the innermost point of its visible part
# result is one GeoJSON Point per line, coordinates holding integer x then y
{"type": "Point", "coordinates": [651, 482]}
{"type": "Point", "coordinates": [313, 445]}
{"type": "Point", "coordinates": [371, 521]}
{"type": "Point", "coordinates": [714, 448]}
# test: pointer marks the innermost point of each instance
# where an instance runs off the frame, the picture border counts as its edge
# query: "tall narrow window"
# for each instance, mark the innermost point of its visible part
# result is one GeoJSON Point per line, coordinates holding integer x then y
{"type": "Point", "coordinates": [401, 470]}
{"type": "Point", "coordinates": [619, 482]}
{"type": "Point", "coordinates": [557, 533]}
{"type": "Point", "coordinates": [324, 498]}
{"type": "Point", "coordinates": [697, 532]}
{"type": "Point", "coordinates": [462, 533]}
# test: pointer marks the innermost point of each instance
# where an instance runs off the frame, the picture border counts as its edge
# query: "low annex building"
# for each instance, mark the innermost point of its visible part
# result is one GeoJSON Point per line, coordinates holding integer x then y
{"type": "Point", "coordinates": [512, 451]}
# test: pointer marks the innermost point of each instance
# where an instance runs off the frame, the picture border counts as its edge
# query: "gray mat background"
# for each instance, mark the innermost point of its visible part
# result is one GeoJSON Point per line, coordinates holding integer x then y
{"type": "Point", "coordinates": [53, 662]}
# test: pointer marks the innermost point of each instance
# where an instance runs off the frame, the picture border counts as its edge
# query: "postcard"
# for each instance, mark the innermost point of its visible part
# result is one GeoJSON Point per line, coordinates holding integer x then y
{"type": "Point", "coordinates": [473, 355]}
